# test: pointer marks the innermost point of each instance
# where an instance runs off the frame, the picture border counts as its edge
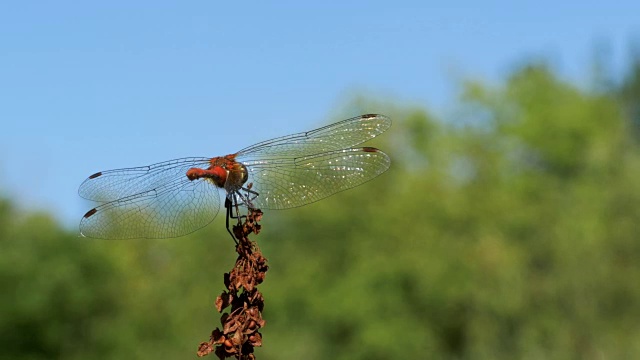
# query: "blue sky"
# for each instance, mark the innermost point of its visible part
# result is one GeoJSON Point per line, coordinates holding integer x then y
{"type": "Point", "coordinates": [88, 86]}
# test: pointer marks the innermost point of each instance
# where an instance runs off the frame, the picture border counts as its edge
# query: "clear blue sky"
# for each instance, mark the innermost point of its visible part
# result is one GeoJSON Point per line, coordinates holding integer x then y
{"type": "Point", "coordinates": [88, 86]}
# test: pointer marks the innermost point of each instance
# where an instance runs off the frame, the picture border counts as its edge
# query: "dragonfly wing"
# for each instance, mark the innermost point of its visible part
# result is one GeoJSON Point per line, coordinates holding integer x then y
{"type": "Point", "coordinates": [341, 135]}
{"type": "Point", "coordinates": [177, 208]}
{"type": "Point", "coordinates": [297, 181]}
{"type": "Point", "coordinates": [116, 184]}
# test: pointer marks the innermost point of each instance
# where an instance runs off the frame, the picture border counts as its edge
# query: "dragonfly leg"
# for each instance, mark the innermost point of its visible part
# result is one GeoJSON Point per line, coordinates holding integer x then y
{"type": "Point", "coordinates": [250, 196]}
{"type": "Point", "coordinates": [246, 199]}
{"type": "Point", "coordinates": [228, 205]}
{"type": "Point", "coordinates": [231, 203]}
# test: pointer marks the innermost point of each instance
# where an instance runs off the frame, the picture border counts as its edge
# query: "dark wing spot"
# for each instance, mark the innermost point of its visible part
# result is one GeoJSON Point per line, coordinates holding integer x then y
{"type": "Point", "coordinates": [90, 213]}
{"type": "Point", "coordinates": [369, 149]}
{"type": "Point", "coordinates": [95, 175]}
{"type": "Point", "coordinates": [368, 116]}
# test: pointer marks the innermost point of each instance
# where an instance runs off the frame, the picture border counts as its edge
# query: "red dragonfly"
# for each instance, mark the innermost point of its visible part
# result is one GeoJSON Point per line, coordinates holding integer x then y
{"type": "Point", "coordinates": [177, 197]}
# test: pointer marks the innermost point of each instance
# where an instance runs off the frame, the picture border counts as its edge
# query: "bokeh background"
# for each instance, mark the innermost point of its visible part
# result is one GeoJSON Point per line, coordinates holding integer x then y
{"type": "Point", "coordinates": [507, 226]}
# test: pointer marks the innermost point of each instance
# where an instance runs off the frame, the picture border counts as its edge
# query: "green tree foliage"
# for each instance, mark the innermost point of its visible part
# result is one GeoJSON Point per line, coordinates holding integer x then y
{"type": "Point", "coordinates": [67, 297]}
{"type": "Point", "coordinates": [55, 294]}
{"type": "Point", "coordinates": [629, 92]}
{"type": "Point", "coordinates": [507, 232]}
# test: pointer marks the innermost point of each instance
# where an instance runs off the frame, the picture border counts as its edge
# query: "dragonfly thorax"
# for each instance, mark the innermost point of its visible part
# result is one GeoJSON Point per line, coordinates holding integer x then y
{"type": "Point", "coordinates": [237, 175]}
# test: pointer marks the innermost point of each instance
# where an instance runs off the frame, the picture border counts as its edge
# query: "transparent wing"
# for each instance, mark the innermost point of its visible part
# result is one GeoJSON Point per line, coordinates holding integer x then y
{"type": "Point", "coordinates": [291, 182]}
{"type": "Point", "coordinates": [341, 135]}
{"type": "Point", "coordinates": [173, 209]}
{"type": "Point", "coordinates": [116, 184]}
{"type": "Point", "coordinates": [159, 201]}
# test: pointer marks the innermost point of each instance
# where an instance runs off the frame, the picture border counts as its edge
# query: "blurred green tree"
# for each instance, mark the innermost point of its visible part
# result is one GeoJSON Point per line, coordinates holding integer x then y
{"type": "Point", "coordinates": [509, 230]}
{"type": "Point", "coordinates": [629, 91]}
{"type": "Point", "coordinates": [56, 293]}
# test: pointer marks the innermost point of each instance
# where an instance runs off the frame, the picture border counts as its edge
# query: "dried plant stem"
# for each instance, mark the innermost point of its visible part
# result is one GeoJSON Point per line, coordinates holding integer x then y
{"type": "Point", "coordinates": [239, 334]}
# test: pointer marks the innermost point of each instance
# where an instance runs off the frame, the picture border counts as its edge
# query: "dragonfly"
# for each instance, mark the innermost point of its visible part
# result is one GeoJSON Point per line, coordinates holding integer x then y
{"type": "Point", "coordinates": [177, 197]}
